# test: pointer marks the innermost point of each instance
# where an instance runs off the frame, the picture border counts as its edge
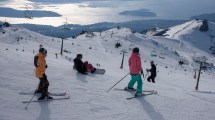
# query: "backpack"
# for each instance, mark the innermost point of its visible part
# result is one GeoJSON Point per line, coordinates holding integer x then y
{"type": "Point", "coordinates": [35, 60]}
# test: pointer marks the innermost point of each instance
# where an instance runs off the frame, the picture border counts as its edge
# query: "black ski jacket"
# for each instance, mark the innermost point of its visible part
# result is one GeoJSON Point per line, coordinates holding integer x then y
{"type": "Point", "coordinates": [153, 70]}
{"type": "Point", "coordinates": [79, 65]}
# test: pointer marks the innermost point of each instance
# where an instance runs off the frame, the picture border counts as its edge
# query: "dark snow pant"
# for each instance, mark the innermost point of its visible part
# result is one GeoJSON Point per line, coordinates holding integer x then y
{"type": "Point", "coordinates": [151, 77]}
{"type": "Point", "coordinates": [43, 85]}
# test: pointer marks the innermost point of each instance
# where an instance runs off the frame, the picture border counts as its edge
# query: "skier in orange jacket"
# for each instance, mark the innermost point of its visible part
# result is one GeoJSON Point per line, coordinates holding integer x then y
{"type": "Point", "coordinates": [41, 66]}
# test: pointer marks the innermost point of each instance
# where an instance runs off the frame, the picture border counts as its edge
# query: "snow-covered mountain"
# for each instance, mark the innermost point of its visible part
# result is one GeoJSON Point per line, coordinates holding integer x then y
{"type": "Point", "coordinates": [189, 34]}
{"type": "Point", "coordinates": [70, 30]}
{"type": "Point", "coordinates": [176, 98]}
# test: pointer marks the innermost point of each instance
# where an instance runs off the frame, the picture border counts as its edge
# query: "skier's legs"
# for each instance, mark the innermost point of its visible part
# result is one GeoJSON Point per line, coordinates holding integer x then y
{"type": "Point", "coordinates": [149, 78]}
{"type": "Point", "coordinates": [132, 81]}
{"type": "Point", "coordinates": [39, 89]}
{"type": "Point", "coordinates": [91, 68]}
{"type": "Point", "coordinates": [45, 84]}
{"type": "Point", "coordinates": [153, 79]}
{"type": "Point", "coordinates": [139, 83]}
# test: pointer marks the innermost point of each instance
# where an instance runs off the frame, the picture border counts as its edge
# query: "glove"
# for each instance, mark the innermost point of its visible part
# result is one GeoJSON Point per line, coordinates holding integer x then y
{"type": "Point", "coordinates": [141, 71]}
{"type": "Point", "coordinates": [46, 66]}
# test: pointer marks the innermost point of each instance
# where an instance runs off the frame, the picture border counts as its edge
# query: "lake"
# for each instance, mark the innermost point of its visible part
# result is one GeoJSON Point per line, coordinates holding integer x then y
{"type": "Point", "coordinates": [94, 11]}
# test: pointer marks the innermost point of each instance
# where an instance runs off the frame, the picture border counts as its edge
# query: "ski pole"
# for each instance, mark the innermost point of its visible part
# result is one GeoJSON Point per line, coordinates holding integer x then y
{"type": "Point", "coordinates": [30, 101]}
{"type": "Point", "coordinates": [145, 76]}
{"type": "Point", "coordinates": [32, 96]}
{"type": "Point", "coordinates": [118, 82]}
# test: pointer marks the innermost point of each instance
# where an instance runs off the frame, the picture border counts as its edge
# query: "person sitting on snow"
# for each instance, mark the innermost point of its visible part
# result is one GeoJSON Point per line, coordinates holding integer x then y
{"type": "Point", "coordinates": [82, 67]}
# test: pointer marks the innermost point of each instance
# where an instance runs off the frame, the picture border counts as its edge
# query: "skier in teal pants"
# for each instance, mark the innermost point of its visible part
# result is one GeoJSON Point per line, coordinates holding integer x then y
{"type": "Point", "coordinates": [135, 70]}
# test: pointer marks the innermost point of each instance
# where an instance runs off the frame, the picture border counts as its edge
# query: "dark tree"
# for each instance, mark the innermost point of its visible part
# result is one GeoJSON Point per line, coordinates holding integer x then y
{"type": "Point", "coordinates": [204, 26]}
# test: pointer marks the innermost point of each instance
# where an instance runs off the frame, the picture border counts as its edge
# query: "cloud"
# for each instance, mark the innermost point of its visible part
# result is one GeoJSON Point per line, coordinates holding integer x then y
{"type": "Point", "coordinates": [9, 12]}
{"type": "Point", "coordinates": [140, 13]}
{"type": "Point", "coordinates": [74, 1]}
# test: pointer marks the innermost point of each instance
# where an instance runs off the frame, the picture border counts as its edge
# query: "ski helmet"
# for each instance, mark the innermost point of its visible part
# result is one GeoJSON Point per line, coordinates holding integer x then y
{"type": "Point", "coordinates": [43, 50]}
{"type": "Point", "coordinates": [152, 62]}
{"type": "Point", "coordinates": [79, 56]}
{"type": "Point", "coordinates": [136, 50]}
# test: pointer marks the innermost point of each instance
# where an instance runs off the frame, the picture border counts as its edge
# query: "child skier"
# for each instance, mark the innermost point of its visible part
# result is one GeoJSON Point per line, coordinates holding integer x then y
{"type": "Point", "coordinates": [152, 71]}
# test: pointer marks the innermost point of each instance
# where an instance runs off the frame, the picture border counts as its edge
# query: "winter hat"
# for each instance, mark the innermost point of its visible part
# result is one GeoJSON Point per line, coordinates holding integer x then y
{"type": "Point", "coordinates": [136, 50]}
{"type": "Point", "coordinates": [152, 62]}
{"type": "Point", "coordinates": [79, 56]}
{"type": "Point", "coordinates": [43, 50]}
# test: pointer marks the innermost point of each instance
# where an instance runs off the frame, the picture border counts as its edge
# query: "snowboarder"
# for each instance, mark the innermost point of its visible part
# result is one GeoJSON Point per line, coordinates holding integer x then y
{"type": "Point", "coordinates": [152, 71]}
{"type": "Point", "coordinates": [82, 67]}
{"type": "Point", "coordinates": [135, 70]}
{"type": "Point", "coordinates": [41, 66]}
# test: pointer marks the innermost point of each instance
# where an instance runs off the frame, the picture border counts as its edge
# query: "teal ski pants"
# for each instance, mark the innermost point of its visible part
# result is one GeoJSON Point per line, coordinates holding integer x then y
{"type": "Point", "coordinates": [138, 79]}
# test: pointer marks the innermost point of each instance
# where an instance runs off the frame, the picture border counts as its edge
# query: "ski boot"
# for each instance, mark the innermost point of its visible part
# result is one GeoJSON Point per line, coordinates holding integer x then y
{"type": "Point", "coordinates": [138, 94]}
{"type": "Point", "coordinates": [42, 97]}
{"type": "Point", "coordinates": [49, 97]}
{"type": "Point", "coordinates": [129, 89]}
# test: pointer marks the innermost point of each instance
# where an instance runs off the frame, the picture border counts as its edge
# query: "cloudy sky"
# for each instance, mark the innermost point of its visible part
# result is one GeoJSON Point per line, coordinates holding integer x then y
{"type": "Point", "coordinates": [93, 11]}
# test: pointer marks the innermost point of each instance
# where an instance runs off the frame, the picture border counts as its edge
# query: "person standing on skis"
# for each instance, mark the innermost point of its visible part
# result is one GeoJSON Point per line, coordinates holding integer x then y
{"type": "Point", "coordinates": [135, 70]}
{"type": "Point", "coordinates": [152, 71]}
{"type": "Point", "coordinates": [40, 64]}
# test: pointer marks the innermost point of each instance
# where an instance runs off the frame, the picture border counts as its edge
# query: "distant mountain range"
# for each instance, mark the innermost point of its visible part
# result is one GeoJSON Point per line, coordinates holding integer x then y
{"type": "Point", "coordinates": [71, 30]}
{"type": "Point", "coordinates": [10, 12]}
{"type": "Point", "coordinates": [210, 17]}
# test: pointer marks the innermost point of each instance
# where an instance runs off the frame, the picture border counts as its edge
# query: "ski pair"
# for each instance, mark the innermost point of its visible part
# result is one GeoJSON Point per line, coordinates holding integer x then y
{"type": "Point", "coordinates": [50, 93]}
{"type": "Point", "coordinates": [61, 98]}
{"type": "Point", "coordinates": [144, 94]}
{"type": "Point", "coordinates": [149, 92]}
{"type": "Point", "coordinates": [120, 89]}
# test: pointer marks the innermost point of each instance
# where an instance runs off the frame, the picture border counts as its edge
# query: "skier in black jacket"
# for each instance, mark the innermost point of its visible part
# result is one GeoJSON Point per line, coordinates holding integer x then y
{"type": "Point", "coordinates": [152, 71]}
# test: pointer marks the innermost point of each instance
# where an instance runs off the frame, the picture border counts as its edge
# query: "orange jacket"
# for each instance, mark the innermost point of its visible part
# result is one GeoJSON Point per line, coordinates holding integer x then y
{"type": "Point", "coordinates": [41, 63]}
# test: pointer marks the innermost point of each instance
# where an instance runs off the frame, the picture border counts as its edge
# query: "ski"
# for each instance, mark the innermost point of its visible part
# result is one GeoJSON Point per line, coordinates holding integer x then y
{"type": "Point", "coordinates": [151, 93]}
{"type": "Point", "coordinates": [133, 90]}
{"type": "Point", "coordinates": [120, 89]}
{"type": "Point", "coordinates": [61, 98]}
{"type": "Point", "coordinates": [50, 93]}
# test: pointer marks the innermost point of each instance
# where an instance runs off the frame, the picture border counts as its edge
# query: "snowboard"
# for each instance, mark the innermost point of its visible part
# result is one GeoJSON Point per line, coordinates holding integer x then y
{"type": "Point", "coordinates": [99, 71]}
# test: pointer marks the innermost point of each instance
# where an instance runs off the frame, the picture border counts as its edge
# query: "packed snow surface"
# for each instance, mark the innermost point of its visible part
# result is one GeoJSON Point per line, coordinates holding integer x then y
{"type": "Point", "coordinates": [176, 97]}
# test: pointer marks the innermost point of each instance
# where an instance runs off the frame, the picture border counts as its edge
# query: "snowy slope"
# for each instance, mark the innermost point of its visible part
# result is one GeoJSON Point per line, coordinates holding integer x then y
{"type": "Point", "coordinates": [188, 33]}
{"type": "Point", "coordinates": [176, 98]}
